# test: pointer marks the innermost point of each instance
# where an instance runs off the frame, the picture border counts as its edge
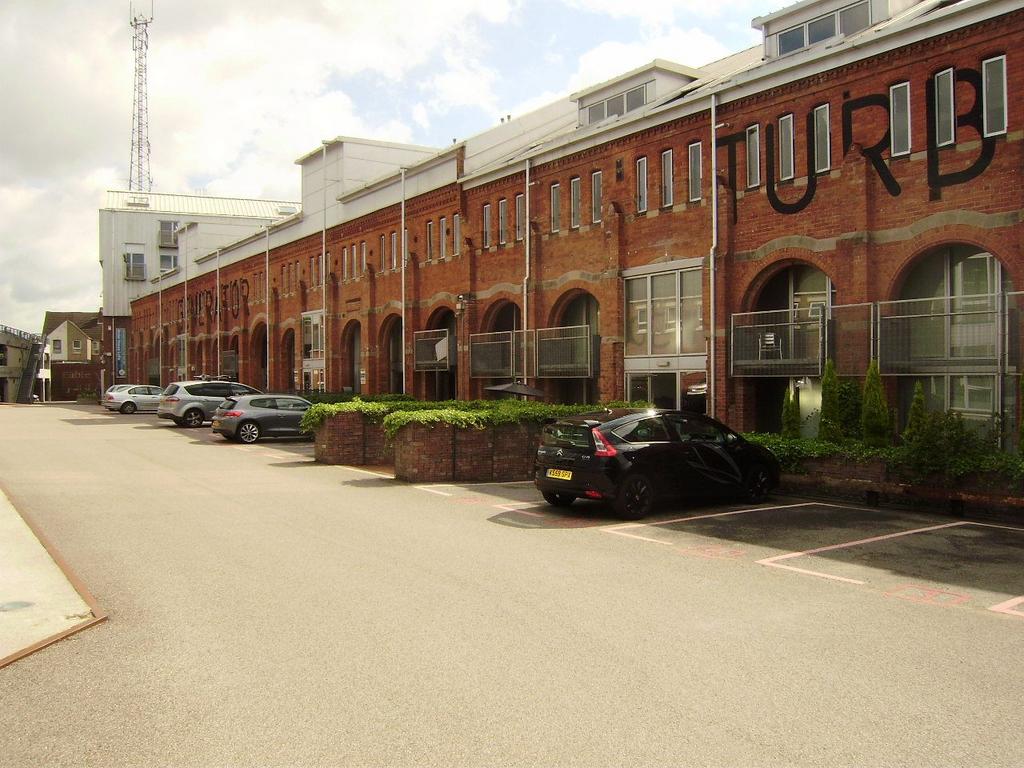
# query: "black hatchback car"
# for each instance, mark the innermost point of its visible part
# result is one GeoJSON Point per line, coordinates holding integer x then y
{"type": "Point", "coordinates": [635, 458]}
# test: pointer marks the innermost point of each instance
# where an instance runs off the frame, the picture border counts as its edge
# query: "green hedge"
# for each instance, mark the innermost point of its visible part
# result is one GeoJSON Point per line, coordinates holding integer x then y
{"type": "Point", "coordinates": [461, 413]}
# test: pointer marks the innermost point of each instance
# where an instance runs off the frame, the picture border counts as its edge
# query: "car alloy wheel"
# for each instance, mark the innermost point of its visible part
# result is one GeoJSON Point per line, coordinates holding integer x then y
{"type": "Point", "coordinates": [128, 407]}
{"type": "Point", "coordinates": [249, 432]}
{"type": "Point", "coordinates": [636, 497]}
{"type": "Point", "coordinates": [193, 418]}
{"type": "Point", "coordinates": [758, 482]}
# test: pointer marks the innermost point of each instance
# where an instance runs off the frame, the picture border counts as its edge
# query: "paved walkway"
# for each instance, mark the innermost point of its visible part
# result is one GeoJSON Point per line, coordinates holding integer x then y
{"type": "Point", "coordinates": [38, 603]}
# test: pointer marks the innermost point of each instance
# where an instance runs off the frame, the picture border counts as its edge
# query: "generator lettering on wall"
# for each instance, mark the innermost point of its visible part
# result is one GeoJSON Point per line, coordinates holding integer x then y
{"type": "Point", "coordinates": [875, 154]}
{"type": "Point", "coordinates": [234, 298]}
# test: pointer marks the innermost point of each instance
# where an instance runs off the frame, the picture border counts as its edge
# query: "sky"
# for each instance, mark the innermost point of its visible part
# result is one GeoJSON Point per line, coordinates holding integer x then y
{"type": "Point", "coordinates": [239, 89]}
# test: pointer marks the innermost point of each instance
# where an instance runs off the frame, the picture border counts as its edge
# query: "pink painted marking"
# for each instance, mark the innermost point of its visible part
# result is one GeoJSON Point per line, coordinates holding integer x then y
{"type": "Point", "coordinates": [1009, 606]}
{"type": "Point", "coordinates": [615, 528]}
{"type": "Point", "coordinates": [808, 572]}
{"type": "Point", "coordinates": [858, 542]}
{"type": "Point", "coordinates": [714, 552]}
{"type": "Point", "coordinates": [635, 536]}
{"type": "Point", "coordinates": [927, 595]}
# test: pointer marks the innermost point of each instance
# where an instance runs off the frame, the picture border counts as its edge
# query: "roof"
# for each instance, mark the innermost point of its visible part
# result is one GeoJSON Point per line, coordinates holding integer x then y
{"type": "Point", "coordinates": [651, 66]}
{"type": "Point", "coordinates": [87, 322]}
{"type": "Point", "coordinates": [356, 140]}
{"type": "Point", "coordinates": [201, 205]}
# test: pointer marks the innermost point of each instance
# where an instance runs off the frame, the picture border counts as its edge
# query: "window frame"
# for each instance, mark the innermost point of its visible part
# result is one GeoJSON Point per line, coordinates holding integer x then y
{"type": "Point", "coordinates": [753, 179]}
{"type": "Point", "coordinates": [575, 202]}
{"type": "Point", "coordinates": [485, 239]}
{"type": "Point", "coordinates": [520, 203]}
{"type": "Point", "coordinates": [131, 267]}
{"type": "Point", "coordinates": [428, 248]}
{"type": "Point", "coordinates": [443, 234]}
{"type": "Point", "coordinates": [691, 187]}
{"type": "Point", "coordinates": [456, 234]}
{"type": "Point", "coordinates": [394, 250]}
{"type": "Point", "coordinates": [555, 201]}
{"type": "Point", "coordinates": [595, 197]}
{"type": "Point", "coordinates": [947, 121]}
{"type": "Point", "coordinates": [818, 167]}
{"type": "Point", "coordinates": [905, 87]}
{"type": "Point", "coordinates": [383, 254]}
{"type": "Point", "coordinates": [502, 221]}
{"type": "Point", "coordinates": [667, 179]}
{"type": "Point", "coordinates": [986, 131]}
{"type": "Point", "coordinates": [784, 145]}
{"type": "Point", "coordinates": [640, 199]}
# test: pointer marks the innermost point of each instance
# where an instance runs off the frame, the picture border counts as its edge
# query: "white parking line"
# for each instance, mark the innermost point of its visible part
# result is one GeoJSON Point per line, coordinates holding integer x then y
{"type": "Point", "coordinates": [618, 526]}
{"type": "Point", "coordinates": [434, 489]}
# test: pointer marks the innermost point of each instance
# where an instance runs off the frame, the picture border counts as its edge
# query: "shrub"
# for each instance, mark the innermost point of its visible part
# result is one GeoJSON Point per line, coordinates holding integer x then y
{"type": "Point", "coordinates": [829, 428]}
{"type": "Point", "coordinates": [916, 417]}
{"type": "Point", "coordinates": [849, 408]}
{"type": "Point", "coordinates": [790, 416]}
{"type": "Point", "coordinates": [874, 415]}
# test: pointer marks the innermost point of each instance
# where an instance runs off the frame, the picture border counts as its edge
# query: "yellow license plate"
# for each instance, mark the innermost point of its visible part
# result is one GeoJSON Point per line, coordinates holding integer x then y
{"type": "Point", "coordinates": [560, 474]}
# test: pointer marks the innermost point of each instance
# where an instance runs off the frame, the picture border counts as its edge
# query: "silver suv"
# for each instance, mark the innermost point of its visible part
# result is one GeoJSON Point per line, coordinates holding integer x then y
{"type": "Point", "coordinates": [190, 403]}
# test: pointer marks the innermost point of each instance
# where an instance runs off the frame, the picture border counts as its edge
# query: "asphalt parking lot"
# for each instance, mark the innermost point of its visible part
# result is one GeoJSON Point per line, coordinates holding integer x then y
{"type": "Point", "coordinates": [279, 611]}
{"type": "Point", "coordinates": [931, 560]}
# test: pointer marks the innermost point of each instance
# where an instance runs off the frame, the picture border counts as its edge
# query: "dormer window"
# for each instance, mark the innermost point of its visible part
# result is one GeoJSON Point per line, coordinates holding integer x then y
{"type": "Point", "coordinates": [845, 21]}
{"type": "Point", "coordinates": [619, 104]}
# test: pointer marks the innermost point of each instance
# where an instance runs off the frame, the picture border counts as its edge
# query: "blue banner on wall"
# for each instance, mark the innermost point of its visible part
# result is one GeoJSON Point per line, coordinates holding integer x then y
{"type": "Point", "coordinates": [120, 351]}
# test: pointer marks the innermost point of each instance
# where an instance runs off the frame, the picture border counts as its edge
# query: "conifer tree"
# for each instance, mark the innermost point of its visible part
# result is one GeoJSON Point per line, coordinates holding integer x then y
{"type": "Point", "coordinates": [874, 414]}
{"type": "Point", "coordinates": [828, 421]}
{"type": "Point", "coordinates": [916, 417]}
{"type": "Point", "coordinates": [790, 416]}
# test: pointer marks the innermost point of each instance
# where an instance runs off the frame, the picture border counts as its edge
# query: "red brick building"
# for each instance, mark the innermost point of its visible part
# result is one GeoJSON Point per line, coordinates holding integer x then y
{"type": "Point", "coordinates": [700, 238]}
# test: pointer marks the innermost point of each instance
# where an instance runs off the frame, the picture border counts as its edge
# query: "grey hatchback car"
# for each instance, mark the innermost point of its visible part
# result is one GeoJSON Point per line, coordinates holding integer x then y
{"type": "Point", "coordinates": [249, 417]}
{"type": "Point", "coordinates": [190, 403]}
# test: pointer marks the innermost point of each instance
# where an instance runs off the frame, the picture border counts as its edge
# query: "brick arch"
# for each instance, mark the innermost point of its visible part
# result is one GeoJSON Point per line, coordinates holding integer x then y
{"type": "Point", "coordinates": [385, 375]}
{"type": "Point", "coordinates": [348, 365]}
{"type": "Point", "coordinates": [493, 310]}
{"type": "Point", "coordinates": [437, 314]}
{"type": "Point", "coordinates": [968, 238]}
{"type": "Point", "coordinates": [783, 262]}
{"type": "Point", "coordinates": [562, 303]}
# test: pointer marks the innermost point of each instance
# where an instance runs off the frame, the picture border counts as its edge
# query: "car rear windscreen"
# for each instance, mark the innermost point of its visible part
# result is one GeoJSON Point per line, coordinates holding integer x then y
{"type": "Point", "coordinates": [564, 435]}
{"type": "Point", "coordinates": [171, 389]}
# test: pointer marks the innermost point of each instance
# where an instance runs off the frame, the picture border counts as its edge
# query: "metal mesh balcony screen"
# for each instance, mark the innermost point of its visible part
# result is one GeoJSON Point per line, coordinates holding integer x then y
{"type": "Point", "coordinates": [779, 342]}
{"type": "Point", "coordinates": [565, 352]}
{"type": "Point", "coordinates": [943, 334]}
{"type": "Point", "coordinates": [850, 334]}
{"type": "Point", "coordinates": [430, 350]}
{"type": "Point", "coordinates": [502, 354]}
{"type": "Point", "coordinates": [229, 363]}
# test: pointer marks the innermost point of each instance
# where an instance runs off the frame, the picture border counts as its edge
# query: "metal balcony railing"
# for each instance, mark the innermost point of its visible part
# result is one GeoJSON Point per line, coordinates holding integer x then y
{"type": "Point", "coordinates": [565, 352]}
{"type": "Point", "coordinates": [780, 342]}
{"type": "Point", "coordinates": [430, 350]}
{"type": "Point", "coordinates": [942, 335]}
{"type": "Point", "coordinates": [502, 354]}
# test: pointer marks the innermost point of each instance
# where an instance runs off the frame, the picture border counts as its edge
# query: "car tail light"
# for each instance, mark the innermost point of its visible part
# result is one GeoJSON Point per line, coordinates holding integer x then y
{"type": "Point", "coordinates": [172, 399]}
{"type": "Point", "coordinates": [109, 397]}
{"type": "Point", "coordinates": [591, 494]}
{"type": "Point", "coordinates": [604, 448]}
{"type": "Point", "coordinates": [233, 414]}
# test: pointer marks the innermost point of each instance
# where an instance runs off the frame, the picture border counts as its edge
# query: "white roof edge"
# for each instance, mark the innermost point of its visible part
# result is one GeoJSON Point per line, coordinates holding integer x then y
{"type": "Point", "coordinates": [382, 181]}
{"type": "Point", "coordinates": [358, 140]}
{"type": "Point", "coordinates": [664, 64]}
{"type": "Point", "coordinates": [760, 21]}
{"type": "Point", "coordinates": [287, 221]}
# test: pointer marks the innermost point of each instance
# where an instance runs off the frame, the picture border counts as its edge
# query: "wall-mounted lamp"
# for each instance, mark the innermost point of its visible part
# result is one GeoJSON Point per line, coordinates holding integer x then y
{"type": "Point", "coordinates": [801, 382]}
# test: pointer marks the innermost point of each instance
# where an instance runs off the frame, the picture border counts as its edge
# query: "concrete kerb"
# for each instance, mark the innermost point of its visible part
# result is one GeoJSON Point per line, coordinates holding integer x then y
{"type": "Point", "coordinates": [45, 575]}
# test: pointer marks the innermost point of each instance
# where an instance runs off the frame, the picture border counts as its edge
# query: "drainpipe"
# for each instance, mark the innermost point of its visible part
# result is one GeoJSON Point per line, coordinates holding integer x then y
{"type": "Point", "coordinates": [714, 250]}
{"type": "Point", "coordinates": [405, 253]}
{"type": "Point", "coordinates": [323, 274]}
{"type": "Point", "coordinates": [218, 312]}
{"type": "Point", "coordinates": [160, 319]}
{"type": "Point", "coordinates": [526, 277]}
{"type": "Point", "coordinates": [185, 268]}
{"type": "Point", "coordinates": [266, 298]}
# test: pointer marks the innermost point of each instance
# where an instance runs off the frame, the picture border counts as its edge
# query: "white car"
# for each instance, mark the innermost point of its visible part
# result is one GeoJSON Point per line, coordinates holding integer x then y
{"type": "Point", "coordinates": [132, 398]}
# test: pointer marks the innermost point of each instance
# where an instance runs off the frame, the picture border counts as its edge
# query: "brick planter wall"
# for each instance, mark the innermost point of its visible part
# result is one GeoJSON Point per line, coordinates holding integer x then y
{"type": "Point", "coordinates": [502, 454]}
{"type": "Point", "coordinates": [424, 454]}
{"type": "Point", "coordinates": [351, 438]}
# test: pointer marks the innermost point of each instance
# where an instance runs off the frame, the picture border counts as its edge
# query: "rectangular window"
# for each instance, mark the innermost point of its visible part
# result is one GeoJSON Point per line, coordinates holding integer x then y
{"type": "Point", "coordinates": [667, 183]}
{"type": "Point", "coordinates": [574, 202]}
{"type": "Point", "coordinates": [641, 185]}
{"type": "Point", "coordinates": [855, 18]}
{"type": "Point", "coordinates": [694, 155]}
{"type": "Point", "coordinates": [899, 119]}
{"type": "Point", "coordinates": [429, 247]}
{"type": "Point", "coordinates": [456, 234]}
{"type": "Point", "coordinates": [753, 156]}
{"type": "Point", "coordinates": [786, 165]}
{"type": "Point", "coordinates": [520, 216]}
{"type": "Point", "coordinates": [168, 262]}
{"type": "Point", "coordinates": [993, 79]}
{"type": "Point", "coordinates": [556, 207]}
{"type": "Point", "coordinates": [168, 234]}
{"type": "Point", "coordinates": [502, 221]}
{"type": "Point", "coordinates": [312, 271]}
{"type": "Point", "coordinates": [58, 346]}
{"type": "Point", "coordinates": [383, 262]}
{"type": "Point", "coordinates": [485, 235]}
{"type": "Point", "coordinates": [636, 317]}
{"type": "Point", "coordinates": [443, 227]}
{"type": "Point", "coordinates": [134, 266]}
{"type": "Point", "coordinates": [821, 29]}
{"type": "Point", "coordinates": [945, 109]}
{"type": "Point", "coordinates": [394, 251]}
{"type": "Point", "coordinates": [353, 268]}
{"type": "Point", "coordinates": [822, 140]}
{"type": "Point", "coordinates": [636, 98]}
{"type": "Point", "coordinates": [595, 197]}
{"type": "Point", "coordinates": [313, 336]}
{"type": "Point", "coordinates": [362, 256]}
{"type": "Point", "coordinates": [791, 40]}
{"type": "Point", "coordinates": [76, 345]}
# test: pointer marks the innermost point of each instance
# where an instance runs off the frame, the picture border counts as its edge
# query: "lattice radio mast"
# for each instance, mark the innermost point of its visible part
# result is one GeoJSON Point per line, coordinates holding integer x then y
{"type": "Point", "coordinates": [139, 177]}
